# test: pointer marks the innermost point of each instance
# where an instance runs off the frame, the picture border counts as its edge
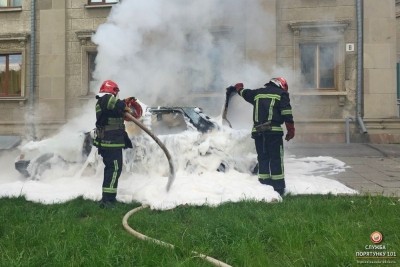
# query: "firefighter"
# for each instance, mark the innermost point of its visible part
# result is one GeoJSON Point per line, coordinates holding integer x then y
{"type": "Point", "coordinates": [271, 108]}
{"type": "Point", "coordinates": [111, 136]}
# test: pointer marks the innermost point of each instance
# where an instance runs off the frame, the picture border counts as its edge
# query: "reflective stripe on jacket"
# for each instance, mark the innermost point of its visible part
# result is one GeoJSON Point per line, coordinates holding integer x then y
{"type": "Point", "coordinates": [270, 103]}
{"type": "Point", "coordinates": [110, 127]}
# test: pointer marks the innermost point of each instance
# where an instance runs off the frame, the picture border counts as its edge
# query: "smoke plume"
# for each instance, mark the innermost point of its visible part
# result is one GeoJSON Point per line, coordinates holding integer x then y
{"type": "Point", "coordinates": [175, 52]}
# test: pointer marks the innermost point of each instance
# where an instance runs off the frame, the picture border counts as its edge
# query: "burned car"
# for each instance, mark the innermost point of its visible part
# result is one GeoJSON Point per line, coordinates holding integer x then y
{"type": "Point", "coordinates": [38, 156]}
{"type": "Point", "coordinates": [171, 120]}
{"type": "Point", "coordinates": [169, 123]}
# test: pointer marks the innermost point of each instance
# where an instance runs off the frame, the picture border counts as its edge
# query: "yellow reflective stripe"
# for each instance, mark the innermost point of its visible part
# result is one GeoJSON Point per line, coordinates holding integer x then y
{"type": "Point", "coordinates": [286, 112]}
{"type": "Point", "coordinates": [95, 142]}
{"type": "Point", "coordinates": [109, 190]}
{"type": "Point", "coordinates": [272, 96]}
{"type": "Point", "coordinates": [111, 102]}
{"type": "Point", "coordinates": [114, 177]}
{"type": "Point", "coordinates": [273, 129]}
{"type": "Point", "coordinates": [112, 145]}
{"type": "Point", "coordinates": [282, 154]}
{"type": "Point", "coordinates": [256, 111]}
{"type": "Point", "coordinates": [264, 176]}
{"type": "Point", "coordinates": [115, 121]}
{"type": "Point", "coordinates": [282, 175]}
{"type": "Point", "coordinates": [271, 111]}
{"type": "Point", "coordinates": [98, 108]}
{"type": "Point", "coordinates": [276, 129]}
{"type": "Point", "coordinates": [278, 177]}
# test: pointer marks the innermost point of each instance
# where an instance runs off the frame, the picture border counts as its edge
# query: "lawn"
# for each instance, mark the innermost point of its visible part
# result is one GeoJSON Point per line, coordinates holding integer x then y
{"type": "Point", "coordinates": [300, 231]}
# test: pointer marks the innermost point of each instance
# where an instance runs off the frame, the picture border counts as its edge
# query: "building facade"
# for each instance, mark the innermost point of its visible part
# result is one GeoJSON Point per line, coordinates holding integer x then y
{"type": "Point", "coordinates": [47, 58]}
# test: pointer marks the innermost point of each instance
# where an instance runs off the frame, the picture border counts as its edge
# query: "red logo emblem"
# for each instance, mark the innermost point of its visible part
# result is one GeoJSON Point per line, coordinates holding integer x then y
{"type": "Point", "coordinates": [376, 237]}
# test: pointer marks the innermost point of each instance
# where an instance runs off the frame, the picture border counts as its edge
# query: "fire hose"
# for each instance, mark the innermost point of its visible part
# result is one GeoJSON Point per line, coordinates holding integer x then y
{"type": "Point", "coordinates": [229, 91]}
{"type": "Point", "coordinates": [171, 179]}
{"type": "Point", "coordinates": [171, 176]}
{"type": "Point", "coordinates": [212, 260]}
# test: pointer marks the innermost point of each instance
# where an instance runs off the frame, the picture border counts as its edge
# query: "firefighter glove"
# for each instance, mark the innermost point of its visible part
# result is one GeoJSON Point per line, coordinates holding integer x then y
{"type": "Point", "coordinates": [133, 107]}
{"type": "Point", "coordinates": [290, 130]}
{"type": "Point", "coordinates": [239, 87]}
{"type": "Point", "coordinates": [129, 100]}
{"type": "Point", "coordinates": [230, 89]}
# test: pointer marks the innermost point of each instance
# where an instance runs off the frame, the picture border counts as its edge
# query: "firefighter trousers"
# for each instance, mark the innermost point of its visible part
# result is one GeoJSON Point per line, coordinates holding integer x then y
{"type": "Point", "coordinates": [112, 159]}
{"type": "Point", "coordinates": [269, 147]}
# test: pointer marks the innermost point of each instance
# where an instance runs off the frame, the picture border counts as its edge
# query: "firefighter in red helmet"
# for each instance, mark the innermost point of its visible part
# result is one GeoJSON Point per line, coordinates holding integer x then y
{"type": "Point", "coordinates": [271, 108]}
{"type": "Point", "coordinates": [111, 136]}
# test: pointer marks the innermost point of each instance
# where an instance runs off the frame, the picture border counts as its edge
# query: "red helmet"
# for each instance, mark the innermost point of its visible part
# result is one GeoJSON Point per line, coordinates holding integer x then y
{"type": "Point", "coordinates": [280, 82]}
{"type": "Point", "coordinates": [109, 86]}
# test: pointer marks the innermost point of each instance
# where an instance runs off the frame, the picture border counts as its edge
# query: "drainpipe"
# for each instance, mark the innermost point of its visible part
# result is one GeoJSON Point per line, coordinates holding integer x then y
{"type": "Point", "coordinates": [31, 96]}
{"type": "Point", "coordinates": [347, 127]}
{"type": "Point", "coordinates": [360, 67]}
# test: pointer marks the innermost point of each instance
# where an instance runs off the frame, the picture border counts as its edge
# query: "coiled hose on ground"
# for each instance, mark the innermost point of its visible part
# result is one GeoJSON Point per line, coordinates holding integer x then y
{"type": "Point", "coordinates": [171, 179]}
{"type": "Point", "coordinates": [215, 262]}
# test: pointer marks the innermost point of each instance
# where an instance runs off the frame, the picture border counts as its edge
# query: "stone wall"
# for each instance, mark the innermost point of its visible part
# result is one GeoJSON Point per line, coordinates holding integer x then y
{"type": "Point", "coordinates": [63, 40]}
{"type": "Point", "coordinates": [380, 59]}
{"type": "Point", "coordinates": [15, 37]}
{"type": "Point", "coordinates": [50, 104]}
{"type": "Point", "coordinates": [82, 22]}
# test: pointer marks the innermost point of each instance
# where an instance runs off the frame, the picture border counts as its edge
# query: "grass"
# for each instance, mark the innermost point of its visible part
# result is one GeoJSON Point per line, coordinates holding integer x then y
{"type": "Point", "coordinates": [300, 231]}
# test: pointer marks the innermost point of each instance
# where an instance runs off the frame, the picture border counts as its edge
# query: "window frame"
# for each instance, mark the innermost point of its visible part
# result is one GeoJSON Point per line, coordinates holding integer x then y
{"type": "Point", "coordinates": [10, 4]}
{"type": "Point", "coordinates": [16, 43]}
{"type": "Point", "coordinates": [7, 69]}
{"type": "Point", "coordinates": [87, 47]}
{"type": "Point", "coordinates": [86, 91]}
{"type": "Point", "coordinates": [318, 67]}
{"type": "Point", "coordinates": [103, 2]}
{"type": "Point", "coordinates": [89, 74]}
{"type": "Point", "coordinates": [305, 32]}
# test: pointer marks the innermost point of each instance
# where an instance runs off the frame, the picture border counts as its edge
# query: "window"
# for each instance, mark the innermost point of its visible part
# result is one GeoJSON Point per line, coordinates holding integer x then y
{"type": "Point", "coordinates": [319, 57]}
{"type": "Point", "coordinates": [102, 2]}
{"type": "Point", "coordinates": [317, 65]}
{"type": "Point", "coordinates": [10, 75]}
{"type": "Point", "coordinates": [88, 63]}
{"type": "Point", "coordinates": [91, 57]}
{"type": "Point", "coordinates": [10, 3]}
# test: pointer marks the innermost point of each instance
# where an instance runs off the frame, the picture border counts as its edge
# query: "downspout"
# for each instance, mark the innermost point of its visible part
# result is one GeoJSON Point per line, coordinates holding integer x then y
{"type": "Point", "coordinates": [31, 96]}
{"type": "Point", "coordinates": [360, 64]}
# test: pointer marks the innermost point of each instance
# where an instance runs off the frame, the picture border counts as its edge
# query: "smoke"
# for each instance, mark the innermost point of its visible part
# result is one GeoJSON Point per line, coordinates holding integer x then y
{"type": "Point", "coordinates": [169, 52]}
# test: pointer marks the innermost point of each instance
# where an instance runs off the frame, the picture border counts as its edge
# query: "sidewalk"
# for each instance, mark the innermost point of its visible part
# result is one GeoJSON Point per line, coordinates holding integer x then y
{"type": "Point", "coordinates": [374, 168]}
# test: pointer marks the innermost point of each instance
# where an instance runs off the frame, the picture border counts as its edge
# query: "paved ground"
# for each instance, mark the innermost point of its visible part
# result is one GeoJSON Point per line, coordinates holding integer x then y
{"type": "Point", "coordinates": [374, 168]}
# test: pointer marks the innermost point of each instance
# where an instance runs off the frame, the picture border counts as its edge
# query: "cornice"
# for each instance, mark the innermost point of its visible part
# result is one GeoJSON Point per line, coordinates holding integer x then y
{"type": "Point", "coordinates": [84, 36]}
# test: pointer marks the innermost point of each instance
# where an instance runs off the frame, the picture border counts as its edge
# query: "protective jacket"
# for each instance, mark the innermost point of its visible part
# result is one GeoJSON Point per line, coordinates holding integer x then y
{"type": "Point", "coordinates": [110, 127]}
{"type": "Point", "coordinates": [270, 104]}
